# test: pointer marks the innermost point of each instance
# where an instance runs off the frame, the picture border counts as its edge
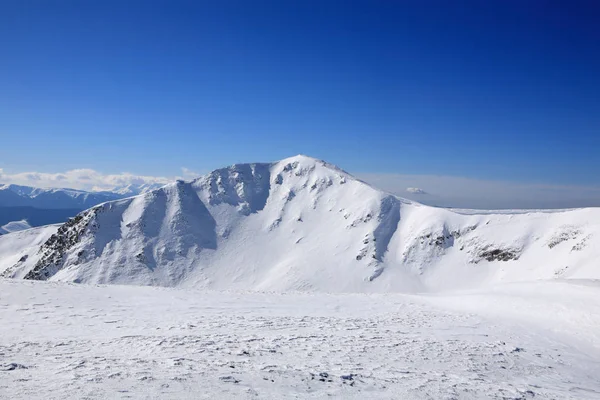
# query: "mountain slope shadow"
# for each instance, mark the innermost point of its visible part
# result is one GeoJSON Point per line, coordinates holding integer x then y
{"type": "Point", "coordinates": [246, 186]}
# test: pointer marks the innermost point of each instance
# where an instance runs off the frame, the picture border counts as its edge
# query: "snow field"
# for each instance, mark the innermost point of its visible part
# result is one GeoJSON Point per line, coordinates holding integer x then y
{"type": "Point", "coordinates": [66, 341]}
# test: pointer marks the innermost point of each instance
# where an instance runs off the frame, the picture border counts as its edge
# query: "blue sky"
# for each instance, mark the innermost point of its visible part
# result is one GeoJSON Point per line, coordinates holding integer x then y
{"type": "Point", "coordinates": [494, 90]}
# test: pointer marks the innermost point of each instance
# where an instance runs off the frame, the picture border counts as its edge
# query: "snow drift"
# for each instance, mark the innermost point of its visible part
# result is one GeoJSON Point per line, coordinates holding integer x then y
{"type": "Point", "coordinates": [303, 224]}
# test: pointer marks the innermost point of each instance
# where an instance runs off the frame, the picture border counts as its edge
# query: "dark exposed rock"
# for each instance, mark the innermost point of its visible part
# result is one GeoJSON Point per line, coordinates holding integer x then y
{"type": "Point", "coordinates": [566, 234]}
{"type": "Point", "coordinates": [53, 250]}
{"type": "Point", "coordinates": [13, 366]}
{"type": "Point", "coordinates": [290, 166]}
{"type": "Point", "coordinates": [581, 244]}
{"type": "Point", "coordinates": [446, 238]}
{"type": "Point", "coordinates": [499, 255]}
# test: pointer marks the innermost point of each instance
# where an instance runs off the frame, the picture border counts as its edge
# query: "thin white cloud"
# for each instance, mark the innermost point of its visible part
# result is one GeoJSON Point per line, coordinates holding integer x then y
{"type": "Point", "coordinates": [89, 179]}
{"type": "Point", "coordinates": [84, 179]}
{"type": "Point", "coordinates": [459, 192]}
{"type": "Point", "coordinates": [415, 190]}
{"type": "Point", "coordinates": [188, 174]}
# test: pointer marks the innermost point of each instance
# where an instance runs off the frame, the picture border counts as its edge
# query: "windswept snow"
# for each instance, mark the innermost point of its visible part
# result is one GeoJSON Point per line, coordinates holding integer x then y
{"type": "Point", "coordinates": [518, 341]}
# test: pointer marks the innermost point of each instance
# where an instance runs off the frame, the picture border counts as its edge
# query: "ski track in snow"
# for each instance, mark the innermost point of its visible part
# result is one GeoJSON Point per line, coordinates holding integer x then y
{"type": "Point", "coordinates": [60, 340]}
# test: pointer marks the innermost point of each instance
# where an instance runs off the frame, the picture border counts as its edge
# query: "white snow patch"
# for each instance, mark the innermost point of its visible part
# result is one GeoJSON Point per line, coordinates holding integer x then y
{"type": "Point", "coordinates": [14, 226]}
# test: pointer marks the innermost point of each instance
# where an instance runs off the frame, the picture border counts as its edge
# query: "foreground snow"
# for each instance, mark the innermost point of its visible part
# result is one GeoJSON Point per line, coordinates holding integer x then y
{"type": "Point", "coordinates": [519, 341]}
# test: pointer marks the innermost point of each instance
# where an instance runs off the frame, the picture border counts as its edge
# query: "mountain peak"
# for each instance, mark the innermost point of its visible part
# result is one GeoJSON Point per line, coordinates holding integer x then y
{"type": "Point", "coordinates": [302, 157]}
{"type": "Point", "coordinates": [308, 160]}
{"type": "Point", "coordinates": [18, 189]}
{"type": "Point", "coordinates": [306, 163]}
{"type": "Point", "coordinates": [247, 186]}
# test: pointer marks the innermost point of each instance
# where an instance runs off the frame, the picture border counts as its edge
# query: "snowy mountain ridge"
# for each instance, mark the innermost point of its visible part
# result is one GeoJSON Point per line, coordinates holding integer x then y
{"type": "Point", "coordinates": [303, 224]}
{"type": "Point", "coordinates": [134, 189]}
{"type": "Point", "coordinates": [12, 195]}
{"type": "Point", "coordinates": [52, 198]}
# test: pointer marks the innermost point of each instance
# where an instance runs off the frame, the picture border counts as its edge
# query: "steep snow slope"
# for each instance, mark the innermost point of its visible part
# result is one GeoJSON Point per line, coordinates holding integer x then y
{"type": "Point", "coordinates": [16, 247]}
{"type": "Point", "coordinates": [303, 224]}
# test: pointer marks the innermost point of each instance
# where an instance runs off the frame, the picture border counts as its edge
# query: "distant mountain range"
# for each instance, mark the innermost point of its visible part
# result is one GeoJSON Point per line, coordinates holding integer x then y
{"type": "Point", "coordinates": [26, 206]}
{"type": "Point", "coordinates": [27, 196]}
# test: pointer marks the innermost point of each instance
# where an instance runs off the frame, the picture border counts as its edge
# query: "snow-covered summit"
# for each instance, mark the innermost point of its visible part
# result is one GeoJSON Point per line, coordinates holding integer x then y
{"type": "Point", "coordinates": [303, 224]}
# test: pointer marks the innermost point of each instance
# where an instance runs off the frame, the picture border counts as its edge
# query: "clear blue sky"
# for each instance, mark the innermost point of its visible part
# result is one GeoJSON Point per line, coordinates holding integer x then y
{"type": "Point", "coordinates": [486, 89]}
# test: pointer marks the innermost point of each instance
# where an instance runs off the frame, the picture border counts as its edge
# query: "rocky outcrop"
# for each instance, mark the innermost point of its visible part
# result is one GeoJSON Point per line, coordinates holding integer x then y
{"type": "Point", "coordinates": [53, 250]}
{"type": "Point", "coordinates": [498, 255]}
{"type": "Point", "coordinates": [243, 185]}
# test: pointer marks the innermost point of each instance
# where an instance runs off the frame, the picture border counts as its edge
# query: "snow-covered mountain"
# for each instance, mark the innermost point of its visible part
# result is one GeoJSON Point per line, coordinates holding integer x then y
{"type": "Point", "coordinates": [38, 206]}
{"type": "Point", "coordinates": [303, 224]}
{"type": "Point", "coordinates": [20, 196]}
{"type": "Point", "coordinates": [15, 247]}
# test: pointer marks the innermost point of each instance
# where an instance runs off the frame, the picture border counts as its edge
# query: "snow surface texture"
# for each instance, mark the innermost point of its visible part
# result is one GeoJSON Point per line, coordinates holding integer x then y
{"type": "Point", "coordinates": [517, 341]}
{"type": "Point", "coordinates": [303, 224]}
